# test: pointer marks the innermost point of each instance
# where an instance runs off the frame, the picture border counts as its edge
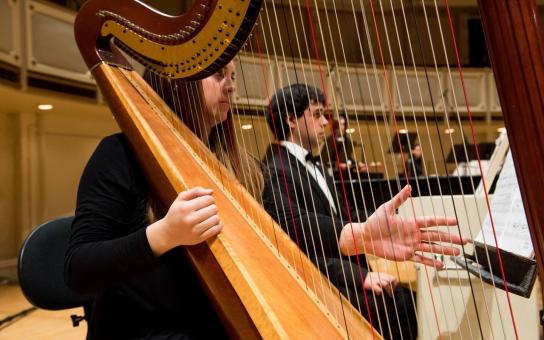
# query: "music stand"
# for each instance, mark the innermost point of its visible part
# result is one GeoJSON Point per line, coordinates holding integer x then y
{"type": "Point", "coordinates": [485, 150]}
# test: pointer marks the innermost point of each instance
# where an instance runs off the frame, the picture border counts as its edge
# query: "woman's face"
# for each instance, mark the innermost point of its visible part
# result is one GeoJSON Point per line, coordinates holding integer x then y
{"type": "Point", "coordinates": [218, 89]}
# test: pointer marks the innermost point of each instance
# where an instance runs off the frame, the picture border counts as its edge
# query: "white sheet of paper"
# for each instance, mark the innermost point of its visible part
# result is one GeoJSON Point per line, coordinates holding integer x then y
{"type": "Point", "coordinates": [508, 214]}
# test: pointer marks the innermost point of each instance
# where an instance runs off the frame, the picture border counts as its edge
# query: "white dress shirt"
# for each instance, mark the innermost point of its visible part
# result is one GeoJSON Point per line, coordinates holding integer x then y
{"type": "Point", "coordinates": [300, 153]}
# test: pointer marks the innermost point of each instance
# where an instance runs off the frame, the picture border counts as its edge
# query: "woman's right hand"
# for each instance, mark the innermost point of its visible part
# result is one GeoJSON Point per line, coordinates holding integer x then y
{"type": "Point", "coordinates": [192, 218]}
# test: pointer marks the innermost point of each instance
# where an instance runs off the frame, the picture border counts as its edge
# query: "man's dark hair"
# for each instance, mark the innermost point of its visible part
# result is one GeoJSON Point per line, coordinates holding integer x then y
{"type": "Point", "coordinates": [293, 99]}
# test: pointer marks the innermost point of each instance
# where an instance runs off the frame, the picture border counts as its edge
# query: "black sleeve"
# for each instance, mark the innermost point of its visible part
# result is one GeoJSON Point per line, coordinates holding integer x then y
{"type": "Point", "coordinates": [108, 243]}
{"type": "Point", "coordinates": [282, 199]}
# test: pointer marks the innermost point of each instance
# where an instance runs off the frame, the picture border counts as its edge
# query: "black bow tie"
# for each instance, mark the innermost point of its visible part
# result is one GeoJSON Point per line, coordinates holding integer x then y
{"type": "Point", "coordinates": [312, 158]}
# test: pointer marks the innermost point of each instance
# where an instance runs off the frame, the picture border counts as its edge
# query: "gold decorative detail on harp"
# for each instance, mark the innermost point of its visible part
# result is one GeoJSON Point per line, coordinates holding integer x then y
{"type": "Point", "coordinates": [190, 57]}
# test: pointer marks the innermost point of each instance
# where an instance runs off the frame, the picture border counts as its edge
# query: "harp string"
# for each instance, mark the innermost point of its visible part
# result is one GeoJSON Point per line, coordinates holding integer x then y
{"type": "Point", "coordinates": [279, 183]}
{"type": "Point", "coordinates": [305, 80]}
{"type": "Point", "coordinates": [336, 63]}
{"type": "Point", "coordinates": [297, 81]}
{"type": "Point", "coordinates": [290, 204]}
{"type": "Point", "coordinates": [482, 178]}
{"type": "Point", "coordinates": [372, 148]}
{"type": "Point", "coordinates": [316, 51]}
{"type": "Point", "coordinates": [447, 120]}
{"type": "Point", "coordinates": [328, 152]}
{"type": "Point", "coordinates": [395, 77]}
{"type": "Point", "coordinates": [433, 158]}
{"type": "Point", "coordinates": [397, 136]}
{"type": "Point", "coordinates": [312, 202]}
{"type": "Point", "coordinates": [393, 115]}
{"type": "Point", "coordinates": [276, 133]}
{"type": "Point", "coordinates": [418, 134]}
{"type": "Point", "coordinates": [433, 107]}
{"type": "Point", "coordinates": [450, 22]}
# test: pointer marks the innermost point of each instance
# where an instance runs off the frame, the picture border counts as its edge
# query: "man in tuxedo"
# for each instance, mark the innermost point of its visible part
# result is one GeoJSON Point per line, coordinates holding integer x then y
{"type": "Point", "coordinates": [301, 197]}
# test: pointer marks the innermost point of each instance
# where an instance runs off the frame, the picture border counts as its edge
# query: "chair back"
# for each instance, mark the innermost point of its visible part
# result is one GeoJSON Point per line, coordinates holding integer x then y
{"type": "Point", "coordinates": [41, 267]}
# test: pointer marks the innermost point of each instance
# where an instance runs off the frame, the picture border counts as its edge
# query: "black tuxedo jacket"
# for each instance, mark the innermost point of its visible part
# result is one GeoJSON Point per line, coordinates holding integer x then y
{"type": "Point", "coordinates": [295, 200]}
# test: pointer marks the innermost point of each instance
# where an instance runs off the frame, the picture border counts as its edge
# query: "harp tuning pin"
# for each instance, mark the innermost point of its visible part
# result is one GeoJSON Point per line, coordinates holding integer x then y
{"type": "Point", "coordinates": [195, 23]}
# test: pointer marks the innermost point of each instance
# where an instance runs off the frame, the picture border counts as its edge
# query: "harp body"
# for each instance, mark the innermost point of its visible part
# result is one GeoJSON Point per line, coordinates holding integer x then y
{"type": "Point", "coordinates": [259, 287]}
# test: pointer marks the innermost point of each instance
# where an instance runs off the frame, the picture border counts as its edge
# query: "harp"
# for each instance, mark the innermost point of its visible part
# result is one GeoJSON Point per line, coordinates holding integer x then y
{"type": "Point", "coordinates": [240, 283]}
{"type": "Point", "coordinates": [274, 294]}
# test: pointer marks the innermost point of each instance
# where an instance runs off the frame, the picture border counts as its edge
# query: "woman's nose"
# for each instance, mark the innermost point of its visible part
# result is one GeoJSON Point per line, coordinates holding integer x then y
{"type": "Point", "coordinates": [229, 87]}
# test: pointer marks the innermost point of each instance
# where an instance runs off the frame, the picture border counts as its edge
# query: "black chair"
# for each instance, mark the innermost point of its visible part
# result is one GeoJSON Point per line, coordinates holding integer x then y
{"type": "Point", "coordinates": [41, 269]}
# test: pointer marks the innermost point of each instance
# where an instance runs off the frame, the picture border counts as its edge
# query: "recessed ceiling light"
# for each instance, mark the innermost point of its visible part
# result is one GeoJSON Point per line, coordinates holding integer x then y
{"type": "Point", "coordinates": [449, 131]}
{"type": "Point", "coordinates": [45, 107]}
{"type": "Point", "coordinates": [247, 127]}
{"type": "Point", "coordinates": [403, 131]}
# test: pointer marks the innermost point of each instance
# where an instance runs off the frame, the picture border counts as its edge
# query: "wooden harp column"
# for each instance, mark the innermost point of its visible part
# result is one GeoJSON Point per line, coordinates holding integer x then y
{"type": "Point", "coordinates": [256, 291]}
{"type": "Point", "coordinates": [515, 47]}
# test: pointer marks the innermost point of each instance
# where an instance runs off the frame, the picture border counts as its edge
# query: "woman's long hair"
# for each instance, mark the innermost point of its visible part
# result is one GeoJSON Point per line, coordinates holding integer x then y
{"type": "Point", "coordinates": [186, 99]}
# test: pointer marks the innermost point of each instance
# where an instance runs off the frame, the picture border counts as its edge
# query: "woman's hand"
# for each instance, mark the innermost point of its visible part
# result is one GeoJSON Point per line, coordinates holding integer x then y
{"type": "Point", "coordinates": [192, 218]}
{"type": "Point", "coordinates": [378, 282]}
{"type": "Point", "coordinates": [393, 237]}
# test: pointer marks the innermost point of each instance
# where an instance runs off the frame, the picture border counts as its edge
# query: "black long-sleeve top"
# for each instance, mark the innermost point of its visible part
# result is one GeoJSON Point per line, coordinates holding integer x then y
{"type": "Point", "coordinates": [136, 294]}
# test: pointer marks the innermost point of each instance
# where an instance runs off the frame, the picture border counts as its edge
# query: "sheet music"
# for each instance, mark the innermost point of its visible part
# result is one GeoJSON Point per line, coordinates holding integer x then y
{"type": "Point", "coordinates": [508, 215]}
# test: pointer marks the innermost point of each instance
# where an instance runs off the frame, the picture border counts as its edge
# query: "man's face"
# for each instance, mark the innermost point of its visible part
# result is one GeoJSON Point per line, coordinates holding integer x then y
{"type": "Point", "coordinates": [309, 129]}
{"type": "Point", "coordinates": [342, 125]}
{"type": "Point", "coordinates": [416, 152]}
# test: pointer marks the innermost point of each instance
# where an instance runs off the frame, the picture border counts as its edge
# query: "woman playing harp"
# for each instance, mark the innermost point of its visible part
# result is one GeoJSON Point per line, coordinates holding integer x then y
{"type": "Point", "coordinates": [132, 262]}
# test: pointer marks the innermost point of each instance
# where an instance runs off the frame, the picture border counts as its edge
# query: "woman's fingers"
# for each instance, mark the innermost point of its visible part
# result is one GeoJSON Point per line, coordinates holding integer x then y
{"type": "Point", "coordinates": [212, 221]}
{"type": "Point", "coordinates": [210, 232]}
{"type": "Point", "coordinates": [204, 213]}
{"type": "Point", "coordinates": [198, 203]}
{"type": "Point", "coordinates": [193, 193]}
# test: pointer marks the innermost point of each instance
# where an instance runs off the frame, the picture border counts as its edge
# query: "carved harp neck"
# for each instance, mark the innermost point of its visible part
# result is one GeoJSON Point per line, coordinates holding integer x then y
{"type": "Point", "coordinates": [190, 46]}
